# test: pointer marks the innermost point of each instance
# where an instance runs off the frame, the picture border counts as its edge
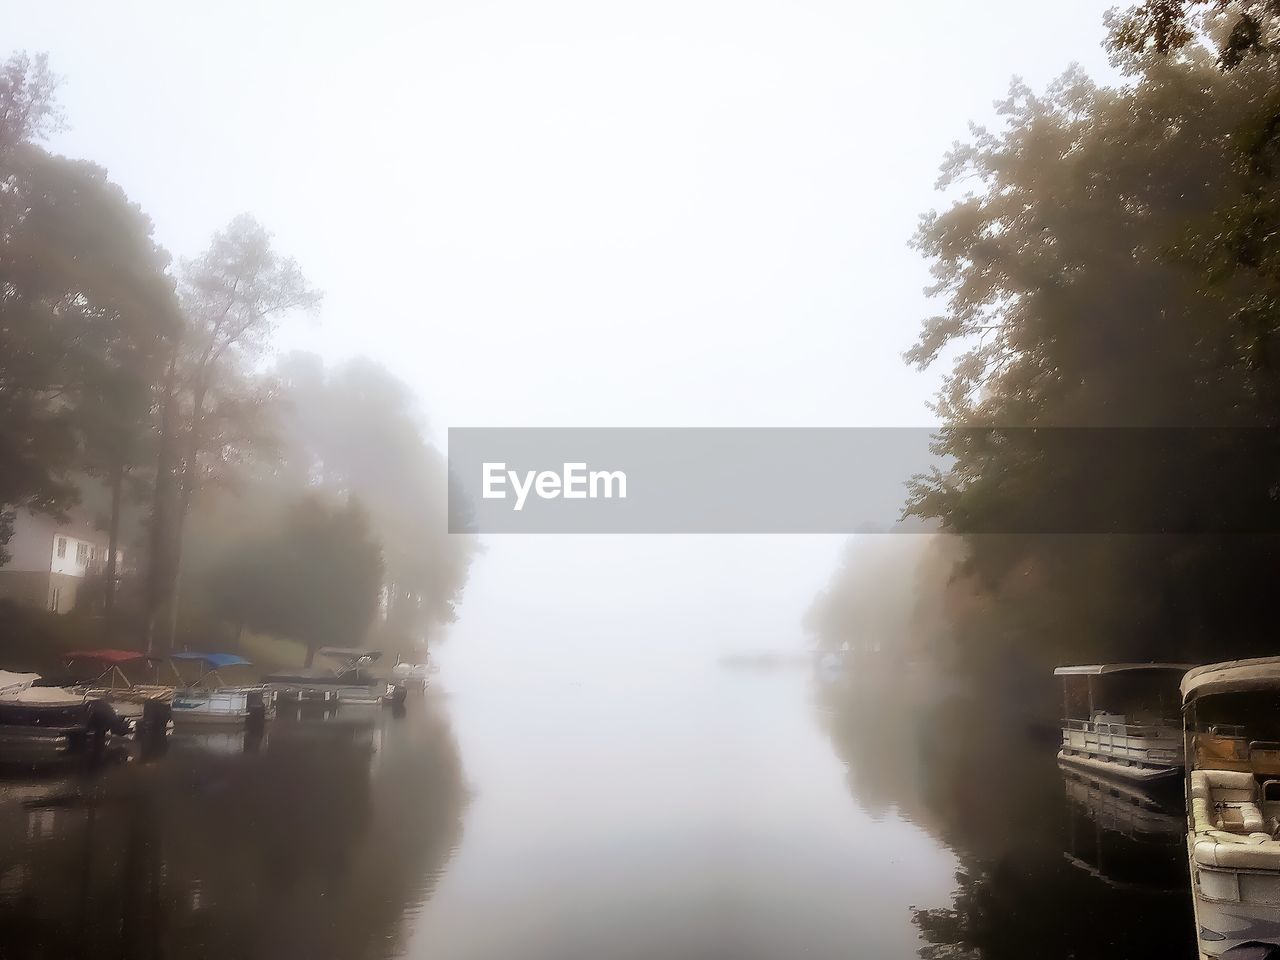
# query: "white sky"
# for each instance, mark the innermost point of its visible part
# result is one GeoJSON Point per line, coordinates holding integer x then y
{"type": "Point", "coordinates": [575, 213]}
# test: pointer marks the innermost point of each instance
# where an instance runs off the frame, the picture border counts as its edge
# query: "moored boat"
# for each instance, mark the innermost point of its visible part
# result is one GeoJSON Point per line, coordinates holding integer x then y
{"type": "Point", "coordinates": [210, 699]}
{"type": "Point", "coordinates": [1231, 723]}
{"type": "Point", "coordinates": [1120, 719]}
{"type": "Point", "coordinates": [126, 679]}
{"type": "Point", "coordinates": [38, 721]}
{"type": "Point", "coordinates": [345, 676]}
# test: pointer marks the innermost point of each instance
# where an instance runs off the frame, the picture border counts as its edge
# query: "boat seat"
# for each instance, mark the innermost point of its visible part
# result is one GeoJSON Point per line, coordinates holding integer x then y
{"type": "Point", "coordinates": [1220, 849]}
{"type": "Point", "coordinates": [1226, 800]}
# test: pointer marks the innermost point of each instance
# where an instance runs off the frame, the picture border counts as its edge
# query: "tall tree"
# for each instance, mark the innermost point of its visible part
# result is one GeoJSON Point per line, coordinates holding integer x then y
{"type": "Point", "coordinates": [1239, 28]}
{"type": "Point", "coordinates": [85, 305]}
{"type": "Point", "coordinates": [355, 429]}
{"type": "Point", "coordinates": [232, 295]}
{"type": "Point", "coordinates": [1085, 283]}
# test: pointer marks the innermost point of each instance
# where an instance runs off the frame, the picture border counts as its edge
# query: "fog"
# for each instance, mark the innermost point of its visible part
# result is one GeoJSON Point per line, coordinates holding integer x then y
{"type": "Point", "coordinates": [577, 215]}
{"type": "Point", "coordinates": [586, 214]}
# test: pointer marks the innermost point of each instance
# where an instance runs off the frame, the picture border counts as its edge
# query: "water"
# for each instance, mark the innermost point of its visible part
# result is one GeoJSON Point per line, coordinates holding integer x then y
{"type": "Point", "coordinates": [717, 811]}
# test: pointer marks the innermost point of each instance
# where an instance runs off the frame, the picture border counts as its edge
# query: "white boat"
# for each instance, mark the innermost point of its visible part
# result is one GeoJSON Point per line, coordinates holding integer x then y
{"type": "Point", "coordinates": [52, 720]}
{"type": "Point", "coordinates": [1120, 719]}
{"type": "Point", "coordinates": [343, 676]}
{"type": "Point", "coordinates": [416, 674]}
{"type": "Point", "coordinates": [1231, 717]}
{"type": "Point", "coordinates": [209, 699]}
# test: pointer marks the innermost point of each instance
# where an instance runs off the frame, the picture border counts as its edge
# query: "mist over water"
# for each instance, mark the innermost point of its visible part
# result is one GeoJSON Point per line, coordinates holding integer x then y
{"type": "Point", "coordinates": [635, 795]}
{"type": "Point", "coordinates": [739, 747]}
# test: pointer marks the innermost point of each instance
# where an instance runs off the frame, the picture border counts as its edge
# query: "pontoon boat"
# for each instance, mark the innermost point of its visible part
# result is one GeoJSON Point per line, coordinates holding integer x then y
{"type": "Point", "coordinates": [344, 676]}
{"type": "Point", "coordinates": [1231, 721]}
{"type": "Point", "coordinates": [51, 720]}
{"type": "Point", "coordinates": [147, 704]}
{"type": "Point", "coordinates": [1119, 719]}
{"type": "Point", "coordinates": [209, 699]}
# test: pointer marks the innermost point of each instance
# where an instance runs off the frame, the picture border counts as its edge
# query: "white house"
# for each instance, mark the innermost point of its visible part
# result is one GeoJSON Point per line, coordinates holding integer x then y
{"type": "Point", "coordinates": [49, 561]}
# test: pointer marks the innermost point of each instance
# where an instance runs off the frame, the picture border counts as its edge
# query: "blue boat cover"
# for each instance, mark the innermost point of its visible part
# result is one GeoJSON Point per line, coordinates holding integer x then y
{"type": "Point", "coordinates": [214, 660]}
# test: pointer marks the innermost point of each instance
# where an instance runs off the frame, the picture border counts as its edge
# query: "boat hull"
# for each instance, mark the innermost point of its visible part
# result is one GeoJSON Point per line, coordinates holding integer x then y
{"type": "Point", "coordinates": [29, 730]}
{"type": "Point", "coordinates": [1118, 768]}
{"type": "Point", "coordinates": [223, 707]}
{"type": "Point", "coordinates": [1222, 925]}
{"type": "Point", "coordinates": [319, 692]}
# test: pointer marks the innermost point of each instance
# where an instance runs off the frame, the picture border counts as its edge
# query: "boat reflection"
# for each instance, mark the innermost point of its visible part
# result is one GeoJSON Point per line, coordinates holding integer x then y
{"type": "Point", "coordinates": [985, 783]}
{"type": "Point", "coordinates": [314, 841]}
{"type": "Point", "coordinates": [1122, 835]}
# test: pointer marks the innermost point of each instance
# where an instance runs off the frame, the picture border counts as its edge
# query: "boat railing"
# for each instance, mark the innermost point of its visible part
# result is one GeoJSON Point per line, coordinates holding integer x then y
{"type": "Point", "coordinates": [1141, 742]}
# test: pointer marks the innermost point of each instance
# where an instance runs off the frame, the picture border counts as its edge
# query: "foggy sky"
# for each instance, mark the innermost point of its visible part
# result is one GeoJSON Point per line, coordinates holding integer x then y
{"type": "Point", "coordinates": [574, 214]}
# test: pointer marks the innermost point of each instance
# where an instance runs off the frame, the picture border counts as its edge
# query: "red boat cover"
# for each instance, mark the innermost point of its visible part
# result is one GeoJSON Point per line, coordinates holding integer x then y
{"type": "Point", "coordinates": [105, 656]}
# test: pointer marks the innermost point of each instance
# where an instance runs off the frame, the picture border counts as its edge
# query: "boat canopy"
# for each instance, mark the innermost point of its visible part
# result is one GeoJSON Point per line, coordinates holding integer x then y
{"type": "Point", "coordinates": [1100, 669]}
{"type": "Point", "coordinates": [11, 683]}
{"type": "Point", "coordinates": [1233, 676]}
{"type": "Point", "coordinates": [215, 660]}
{"type": "Point", "coordinates": [349, 652]}
{"type": "Point", "coordinates": [106, 656]}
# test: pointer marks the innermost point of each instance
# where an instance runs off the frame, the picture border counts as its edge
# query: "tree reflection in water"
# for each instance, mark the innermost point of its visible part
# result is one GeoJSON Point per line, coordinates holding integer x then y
{"type": "Point", "coordinates": [989, 787]}
{"type": "Point", "coordinates": [316, 842]}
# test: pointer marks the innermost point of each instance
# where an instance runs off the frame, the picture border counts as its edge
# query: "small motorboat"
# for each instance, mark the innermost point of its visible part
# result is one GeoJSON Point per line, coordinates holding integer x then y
{"type": "Point", "coordinates": [119, 677]}
{"type": "Point", "coordinates": [45, 720]}
{"type": "Point", "coordinates": [1120, 719]}
{"type": "Point", "coordinates": [343, 677]}
{"type": "Point", "coordinates": [210, 699]}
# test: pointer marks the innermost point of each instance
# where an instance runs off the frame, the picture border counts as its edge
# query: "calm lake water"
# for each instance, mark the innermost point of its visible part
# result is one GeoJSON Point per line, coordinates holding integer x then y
{"type": "Point", "coordinates": [717, 812]}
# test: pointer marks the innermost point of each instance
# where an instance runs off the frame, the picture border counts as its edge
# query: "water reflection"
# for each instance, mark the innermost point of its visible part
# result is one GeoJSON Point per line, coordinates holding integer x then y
{"type": "Point", "coordinates": [1049, 866]}
{"type": "Point", "coordinates": [1125, 836]}
{"type": "Point", "coordinates": [314, 839]}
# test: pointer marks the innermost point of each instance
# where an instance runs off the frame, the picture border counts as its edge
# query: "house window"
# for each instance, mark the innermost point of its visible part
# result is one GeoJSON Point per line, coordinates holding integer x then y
{"type": "Point", "coordinates": [55, 595]}
{"type": "Point", "coordinates": [82, 553]}
{"type": "Point", "coordinates": [62, 546]}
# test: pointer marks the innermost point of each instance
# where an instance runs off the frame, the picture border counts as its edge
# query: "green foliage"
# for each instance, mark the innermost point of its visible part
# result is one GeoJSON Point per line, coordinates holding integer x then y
{"type": "Point", "coordinates": [1112, 263]}
{"type": "Point", "coordinates": [354, 429]}
{"type": "Point", "coordinates": [1239, 28]}
{"type": "Point", "coordinates": [113, 375]}
{"type": "Point", "coordinates": [316, 579]}
{"type": "Point", "coordinates": [85, 305]}
{"type": "Point", "coordinates": [893, 599]}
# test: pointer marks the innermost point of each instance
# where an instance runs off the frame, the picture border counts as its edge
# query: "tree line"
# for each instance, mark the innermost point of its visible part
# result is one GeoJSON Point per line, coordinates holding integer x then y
{"type": "Point", "coordinates": [1109, 258]}
{"type": "Point", "coordinates": [286, 498]}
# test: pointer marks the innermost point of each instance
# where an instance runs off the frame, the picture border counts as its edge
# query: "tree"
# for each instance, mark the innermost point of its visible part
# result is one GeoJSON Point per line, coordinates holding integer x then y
{"type": "Point", "coordinates": [85, 305]}
{"type": "Point", "coordinates": [29, 108]}
{"type": "Point", "coordinates": [316, 580]}
{"type": "Point", "coordinates": [232, 296]}
{"type": "Point", "coordinates": [1243, 27]}
{"type": "Point", "coordinates": [353, 429]}
{"type": "Point", "coordinates": [1086, 284]}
